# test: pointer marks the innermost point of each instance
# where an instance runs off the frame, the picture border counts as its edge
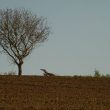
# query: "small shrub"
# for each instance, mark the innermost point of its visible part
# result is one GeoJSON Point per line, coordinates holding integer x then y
{"type": "Point", "coordinates": [9, 73]}
{"type": "Point", "coordinates": [107, 75]}
{"type": "Point", "coordinates": [97, 73]}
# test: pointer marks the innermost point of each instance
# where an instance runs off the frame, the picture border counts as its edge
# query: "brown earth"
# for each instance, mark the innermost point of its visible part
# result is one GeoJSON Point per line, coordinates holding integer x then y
{"type": "Point", "coordinates": [54, 93]}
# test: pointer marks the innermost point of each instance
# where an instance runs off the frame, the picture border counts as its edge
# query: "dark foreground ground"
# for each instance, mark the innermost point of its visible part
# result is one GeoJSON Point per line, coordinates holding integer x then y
{"type": "Point", "coordinates": [54, 93]}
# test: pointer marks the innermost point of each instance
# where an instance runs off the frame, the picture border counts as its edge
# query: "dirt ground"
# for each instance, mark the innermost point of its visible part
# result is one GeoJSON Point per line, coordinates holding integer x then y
{"type": "Point", "coordinates": [54, 93]}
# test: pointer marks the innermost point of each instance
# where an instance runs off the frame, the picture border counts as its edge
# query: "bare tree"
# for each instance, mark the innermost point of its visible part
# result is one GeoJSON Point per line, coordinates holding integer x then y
{"type": "Point", "coordinates": [20, 33]}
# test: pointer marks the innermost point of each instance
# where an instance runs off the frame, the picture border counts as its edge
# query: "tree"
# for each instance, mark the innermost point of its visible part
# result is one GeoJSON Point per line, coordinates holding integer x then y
{"type": "Point", "coordinates": [20, 33]}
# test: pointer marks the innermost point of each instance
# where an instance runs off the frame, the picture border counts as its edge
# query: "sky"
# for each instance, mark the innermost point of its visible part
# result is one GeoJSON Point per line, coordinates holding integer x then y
{"type": "Point", "coordinates": [79, 41]}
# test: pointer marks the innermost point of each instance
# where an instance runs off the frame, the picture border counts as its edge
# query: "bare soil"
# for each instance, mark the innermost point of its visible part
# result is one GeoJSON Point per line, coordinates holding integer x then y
{"type": "Point", "coordinates": [54, 93]}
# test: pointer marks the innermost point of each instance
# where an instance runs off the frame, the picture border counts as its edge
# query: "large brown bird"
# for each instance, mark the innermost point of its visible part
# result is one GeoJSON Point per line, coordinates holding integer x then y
{"type": "Point", "coordinates": [46, 73]}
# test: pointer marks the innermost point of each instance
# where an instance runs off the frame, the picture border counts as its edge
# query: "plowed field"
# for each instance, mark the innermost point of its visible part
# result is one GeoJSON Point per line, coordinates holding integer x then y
{"type": "Point", "coordinates": [54, 93]}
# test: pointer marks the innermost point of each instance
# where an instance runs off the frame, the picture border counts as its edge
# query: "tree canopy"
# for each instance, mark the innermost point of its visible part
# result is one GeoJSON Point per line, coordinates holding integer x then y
{"type": "Point", "coordinates": [20, 33]}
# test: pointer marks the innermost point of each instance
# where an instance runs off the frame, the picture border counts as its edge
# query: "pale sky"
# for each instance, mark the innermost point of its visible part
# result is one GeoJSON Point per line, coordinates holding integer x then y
{"type": "Point", "coordinates": [79, 41]}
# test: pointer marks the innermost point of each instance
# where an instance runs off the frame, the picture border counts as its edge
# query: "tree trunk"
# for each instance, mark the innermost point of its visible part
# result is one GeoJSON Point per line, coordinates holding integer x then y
{"type": "Point", "coordinates": [19, 69]}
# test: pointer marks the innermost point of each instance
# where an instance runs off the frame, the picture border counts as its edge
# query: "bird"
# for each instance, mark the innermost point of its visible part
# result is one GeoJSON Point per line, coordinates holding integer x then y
{"type": "Point", "coordinates": [46, 73]}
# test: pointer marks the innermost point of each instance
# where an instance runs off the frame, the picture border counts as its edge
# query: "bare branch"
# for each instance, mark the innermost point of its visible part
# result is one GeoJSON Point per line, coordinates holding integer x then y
{"type": "Point", "coordinates": [21, 32]}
